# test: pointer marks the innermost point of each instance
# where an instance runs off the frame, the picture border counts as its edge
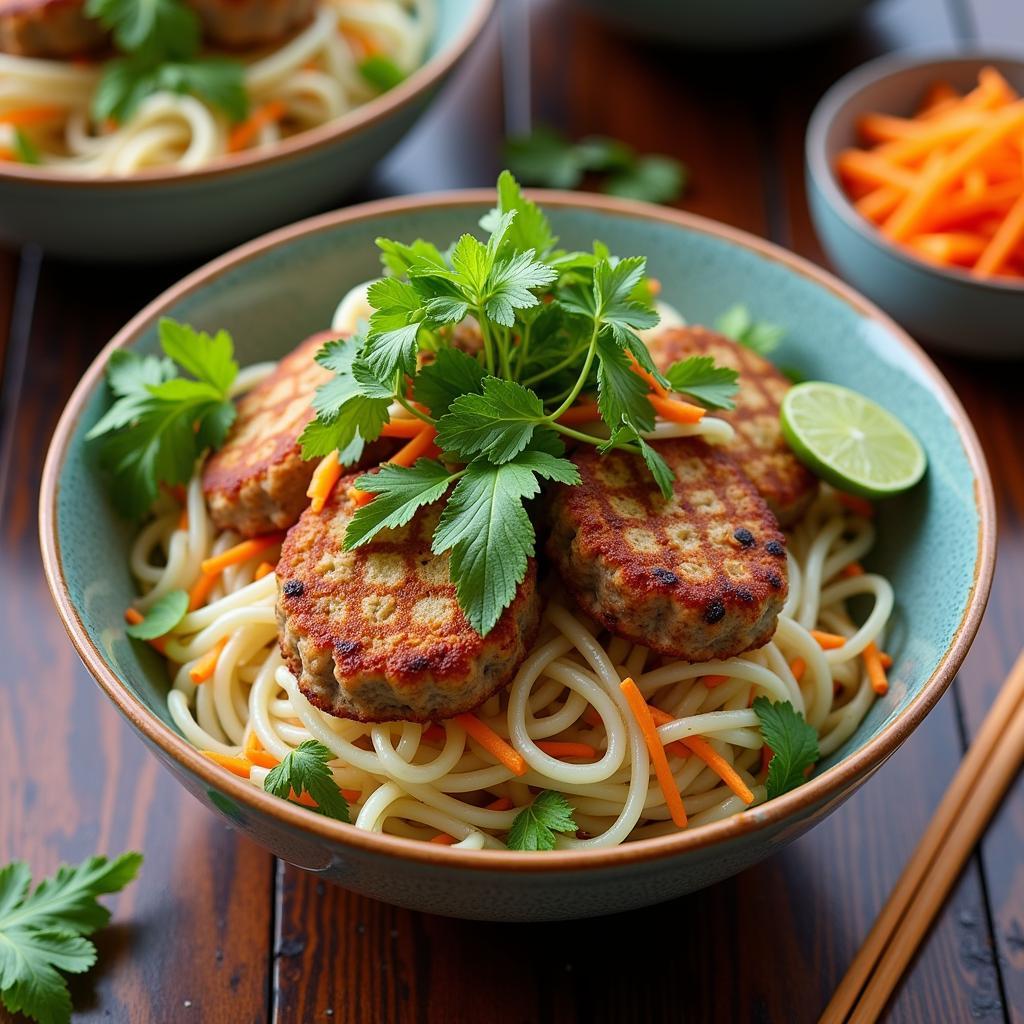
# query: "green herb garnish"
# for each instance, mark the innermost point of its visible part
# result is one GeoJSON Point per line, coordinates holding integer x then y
{"type": "Point", "coordinates": [25, 150]}
{"type": "Point", "coordinates": [43, 932]}
{"type": "Point", "coordinates": [553, 325]}
{"type": "Point", "coordinates": [304, 770]}
{"type": "Point", "coordinates": [160, 40]}
{"type": "Point", "coordinates": [534, 827]}
{"type": "Point", "coordinates": [546, 158]}
{"type": "Point", "coordinates": [381, 72]}
{"type": "Point", "coordinates": [162, 617]}
{"type": "Point", "coordinates": [161, 422]}
{"type": "Point", "coordinates": [793, 743]}
{"type": "Point", "coordinates": [757, 335]}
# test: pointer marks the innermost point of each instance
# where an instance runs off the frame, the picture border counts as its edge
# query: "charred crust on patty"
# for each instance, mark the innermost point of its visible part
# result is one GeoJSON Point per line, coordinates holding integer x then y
{"type": "Point", "coordinates": [774, 547]}
{"type": "Point", "coordinates": [744, 537]}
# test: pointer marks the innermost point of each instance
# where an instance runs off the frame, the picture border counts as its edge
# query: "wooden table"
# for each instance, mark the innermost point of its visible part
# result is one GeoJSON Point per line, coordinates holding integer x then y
{"type": "Point", "coordinates": [216, 930]}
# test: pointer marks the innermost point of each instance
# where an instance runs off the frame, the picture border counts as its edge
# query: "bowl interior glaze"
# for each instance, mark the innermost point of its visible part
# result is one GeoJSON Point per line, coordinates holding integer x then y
{"type": "Point", "coordinates": [935, 544]}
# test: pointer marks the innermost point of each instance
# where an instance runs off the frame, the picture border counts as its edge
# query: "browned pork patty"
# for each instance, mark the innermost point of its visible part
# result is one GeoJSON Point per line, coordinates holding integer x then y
{"type": "Point", "coordinates": [699, 576]}
{"type": "Point", "coordinates": [245, 23]}
{"type": "Point", "coordinates": [759, 447]}
{"type": "Point", "coordinates": [48, 28]}
{"type": "Point", "coordinates": [376, 635]}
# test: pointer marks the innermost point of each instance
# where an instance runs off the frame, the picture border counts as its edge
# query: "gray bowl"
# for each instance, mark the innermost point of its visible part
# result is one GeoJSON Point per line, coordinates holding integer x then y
{"type": "Point", "coordinates": [946, 309]}
{"type": "Point", "coordinates": [728, 24]}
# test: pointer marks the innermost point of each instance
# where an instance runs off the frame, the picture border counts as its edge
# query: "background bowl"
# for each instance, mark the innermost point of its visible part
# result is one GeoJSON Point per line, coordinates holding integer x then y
{"type": "Point", "coordinates": [161, 215]}
{"type": "Point", "coordinates": [728, 24]}
{"type": "Point", "coordinates": [936, 543]}
{"type": "Point", "coordinates": [948, 309]}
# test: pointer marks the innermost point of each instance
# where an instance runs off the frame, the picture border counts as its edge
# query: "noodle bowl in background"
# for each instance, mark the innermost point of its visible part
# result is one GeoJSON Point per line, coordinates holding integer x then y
{"type": "Point", "coordinates": [311, 79]}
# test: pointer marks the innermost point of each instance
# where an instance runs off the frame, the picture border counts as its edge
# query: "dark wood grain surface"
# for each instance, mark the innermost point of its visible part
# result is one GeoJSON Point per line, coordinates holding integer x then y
{"type": "Point", "coordinates": [216, 931]}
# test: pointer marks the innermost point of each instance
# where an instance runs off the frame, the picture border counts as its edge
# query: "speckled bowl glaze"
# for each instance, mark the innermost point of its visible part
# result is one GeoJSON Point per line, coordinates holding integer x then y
{"type": "Point", "coordinates": [728, 24]}
{"type": "Point", "coordinates": [936, 543]}
{"type": "Point", "coordinates": [946, 309]}
{"type": "Point", "coordinates": [163, 215]}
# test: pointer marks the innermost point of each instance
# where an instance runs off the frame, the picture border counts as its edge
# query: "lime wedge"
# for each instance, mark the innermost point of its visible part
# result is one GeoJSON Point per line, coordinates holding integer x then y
{"type": "Point", "coordinates": [850, 441]}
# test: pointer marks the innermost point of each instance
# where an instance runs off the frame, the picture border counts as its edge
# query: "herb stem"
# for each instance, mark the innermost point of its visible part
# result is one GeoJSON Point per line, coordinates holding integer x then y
{"type": "Point", "coordinates": [485, 333]}
{"type": "Point", "coordinates": [410, 408]}
{"type": "Point", "coordinates": [584, 373]}
{"type": "Point", "coordinates": [551, 371]}
{"type": "Point", "coordinates": [579, 435]}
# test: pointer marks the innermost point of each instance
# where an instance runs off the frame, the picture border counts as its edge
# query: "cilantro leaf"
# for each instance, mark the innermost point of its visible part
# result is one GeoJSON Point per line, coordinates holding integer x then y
{"type": "Point", "coordinates": [489, 533]}
{"type": "Point", "coordinates": [510, 284]}
{"type": "Point", "coordinates": [400, 258]}
{"type": "Point", "coordinates": [304, 770]}
{"type": "Point", "coordinates": [25, 150]}
{"type": "Point", "coordinates": [167, 24]}
{"type": "Point", "coordinates": [652, 179]}
{"type": "Point", "coordinates": [793, 743]}
{"type": "Point", "coordinates": [42, 932]}
{"type": "Point", "coordinates": [451, 374]}
{"type": "Point", "coordinates": [209, 359]}
{"type": "Point", "coordinates": [162, 617]}
{"type": "Point", "coordinates": [621, 393]}
{"type": "Point", "coordinates": [381, 72]}
{"type": "Point", "coordinates": [760, 336]}
{"type": "Point", "coordinates": [545, 158]}
{"type": "Point", "coordinates": [711, 385]}
{"type": "Point", "coordinates": [531, 229]}
{"type": "Point", "coordinates": [659, 468]}
{"type": "Point", "coordinates": [400, 492]}
{"type": "Point", "coordinates": [498, 423]}
{"type": "Point", "coordinates": [534, 827]}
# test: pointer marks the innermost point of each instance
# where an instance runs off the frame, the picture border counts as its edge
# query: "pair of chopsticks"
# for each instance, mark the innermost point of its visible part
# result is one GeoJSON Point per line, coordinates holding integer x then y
{"type": "Point", "coordinates": [986, 771]}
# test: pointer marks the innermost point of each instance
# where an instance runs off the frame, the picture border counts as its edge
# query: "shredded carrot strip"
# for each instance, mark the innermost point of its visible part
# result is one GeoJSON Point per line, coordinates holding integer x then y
{"type": "Point", "coordinates": [588, 412]}
{"type": "Point", "coordinates": [443, 839]}
{"type": "Point", "coordinates": [501, 804]}
{"type": "Point", "coordinates": [236, 765]}
{"type": "Point", "coordinates": [1003, 242]}
{"type": "Point", "coordinates": [133, 617]}
{"type": "Point", "coordinates": [421, 444]}
{"type": "Point", "coordinates": [848, 572]}
{"type": "Point", "coordinates": [433, 732]}
{"type": "Point", "coordinates": [556, 748]}
{"type": "Point", "coordinates": [712, 681]}
{"type": "Point", "coordinates": [879, 203]}
{"type": "Point", "coordinates": [652, 382]}
{"type": "Point", "coordinates": [403, 428]}
{"type": "Point", "coordinates": [828, 641]}
{"type": "Point", "coordinates": [876, 673]}
{"type": "Point", "coordinates": [204, 668]}
{"type": "Point", "coordinates": [201, 589]}
{"type": "Point", "coordinates": [360, 498]}
{"type": "Point", "coordinates": [26, 116]}
{"type": "Point", "coordinates": [857, 165]}
{"type": "Point", "coordinates": [798, 667]}
{"type": "Point", "coordinates": [766, 756]}
{"type": "Point", "coordinates": [183, 519]}
{"type": "Point", "coordinates": [886, 659]}
{"type": "Point", "coordinates": [938, 133]}
{"type": "Point", "coordinates": [885, 127]}
{"type": "Point", "coordinates": [246, 133]}
{"type": "Point", "coordinates": [263, 569]}
{"type": "Point", "coordinates": [363, 45]}
{"type": "Point", "coordinates": [642, 714]}
{"type": "Point", "coordinates": [591, 717]}
{"type": "Point", "coordinates": [302, 798]}
{"type": "Point", "coordinates": [254, 751]}
{"type": "Point", "coordinates": [856, 504]}
{"type": "Point", "coordinates": [975, 182]}
{"type": "Point", "coordinates": [654, 286]}
{"type": "Point", "coordinates": [663, 718]}
{"type": "Point", "coordinates": [352, 795]}
{"type": "Point", "coordinates": [936, 95]}
{"type": "Point", "coordinates": [325, 476]}
{"type": "Point", "coordinates": [242, 552]}
{"type": "Point", "coordinates": [677, 412]}
{"type": "Point", "coordinates": [493, 743]}
{"type": "Point", "coordinates": [720, 766]}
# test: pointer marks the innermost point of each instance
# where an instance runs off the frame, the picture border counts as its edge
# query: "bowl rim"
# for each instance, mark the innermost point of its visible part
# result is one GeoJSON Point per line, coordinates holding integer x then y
{"type": "Point", "coordinates": [826, 787]}
{"type": "Point", "coordinates": [846, 90]}
{"type": "Point", "coordinates": [427, 76]}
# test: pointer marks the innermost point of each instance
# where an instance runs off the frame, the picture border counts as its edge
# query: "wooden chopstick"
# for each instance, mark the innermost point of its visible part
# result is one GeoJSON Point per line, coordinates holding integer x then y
{"type": "Point", "coordinates": [984, 774]}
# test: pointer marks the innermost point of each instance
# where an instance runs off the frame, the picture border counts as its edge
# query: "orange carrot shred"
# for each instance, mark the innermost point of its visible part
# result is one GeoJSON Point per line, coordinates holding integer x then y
{"type": "Point", "coordinates": [766, 756]}
{"type": "Point", "coordinates": [556, 748]}
{"type": "Point", "coordinates": [242, 552]}
{"type": "Point", "coordinates": [325, 476]}
{"type": "Point", "coordinates": [201, 589]}
{"type": "Point", "coordinates": [720, 766]}
{"type": "Point", "coordinates": [360, 498]}
{"type": "Point", "coordinates": [443, 839]}
{"type": "Point", "coordinates": [501, 804]}
{"type": "Point", "coordinates": [133, 617]}
{"type": "Point", "coordinates": [421, 444]}
{"type": "Point", "coordinates": [25, 116]}
{"type": "Point", "coordinates": [1003, 242]}
{"type": "Point", "coordinates": [587, 412]}
{"type": "Point", "coordinates": [886, 659]}
{"type": "Point", "coordinates": [183, 519]}
{"type": "Point", "coordinates": [254, 751]}
{"type": "Point", "coordinates": [434, 733]}
{"type": "Point", "coordinates": [236, 765]}
{"type": "Point", "coordinates": [856, 504]}
{"type": "Point", "coordinates": [712, 681]}
{"type": "Point", "coordinates": [848, 572]}
{"type": "Point", "coordinates": [246, 133]}
{"type": "Point", "coordinates": [798, 667]}
{"type": "Point", "coordinates": [642, 714]}
{"type": "Point", "coordinates": [828, 641]}
{"type": "Point", "coordinates": [204, 668]}
{"type": "Point", "coordinates": [652, 382]}
{"type": "Point", "coordinates": [663, 718]}
{"type": "Point", "coordinates": [873, 663]}
{"type": "Point", "coordinates": [591, 717]}
{"type": "Point", "coordinates": [493, 743]}
{"type": "Point", "coordinates": [402, 428]}
{"type": "Point", "coordinates": [263, 569]}
{"type": "Point", "coordinates": [677, 412]}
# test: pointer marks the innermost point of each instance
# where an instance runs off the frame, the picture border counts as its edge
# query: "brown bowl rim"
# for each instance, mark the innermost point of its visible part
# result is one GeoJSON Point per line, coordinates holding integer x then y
{"type": "Point", "coordinates": [846, 91]}
{"type": "Point", "coordinates": [828, 785]}
{"type": "Point", "coordinates": [422, 80]}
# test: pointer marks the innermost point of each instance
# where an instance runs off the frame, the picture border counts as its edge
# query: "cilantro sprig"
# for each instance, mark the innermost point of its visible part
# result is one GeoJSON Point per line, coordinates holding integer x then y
{"type": "Point", "coordinates": [43, 932]}
{"type": "Point", "coordinates": [534, 827]}
{"type": "Point", "coordinates": [793, 743]}
{"type": "Point", "coordinates": [553, 325]}
{"type": "Point", "coordinates": [160, 421]}
{"type": "Point", "coordinates": [304, 770]}
{"type": "Point", "coordinates": [759, 335]}
{"type": "Point", "coordinates": [159, 41]}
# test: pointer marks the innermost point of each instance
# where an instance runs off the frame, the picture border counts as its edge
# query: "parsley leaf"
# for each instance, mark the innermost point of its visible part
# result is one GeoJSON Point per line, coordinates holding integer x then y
{"type": "Point", "coordinates": [652, 179]}
{"type": "Point", "coordinates": [451, 374]}
{"type": "Point", "coordinates": [534, 827]}
{"type": "Point", "coordinates": [42, 932]}
{"type": "Point", "coordinates": [530, 229]}
{"type": "Point", "coordinates": [760, 336]}
{"type": "Point", "coordinates": [711, 385]}
{"type": "Point", "coordinates": [160, 423]}
{"type": "Point", "coordinates": [25, 150]}
{"type": "Point", "coordinates": [498, 423]}
{"type": "Point", "coordinates": [136, 25]}
{"type": "Point", "coordinates": [381, 72]}
{"type": "Point", "coordinates": [621, 394]}
{"type": "Point", "coordinates": [304, 770]}
{"type": "Point", "coordinates": [162, 616]}
{"type": "Point", "coordinates": [400, 492]}
{"type": "Point", "coordinates": [793, 743]}
{"type": "Point", "coordinates": [489, 533]}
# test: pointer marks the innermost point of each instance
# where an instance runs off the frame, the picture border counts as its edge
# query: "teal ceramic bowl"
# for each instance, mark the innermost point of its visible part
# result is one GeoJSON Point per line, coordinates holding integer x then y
{"type": "Point", "coordinates": [945, 309]}
{"type": "Point", "coordinates": [936, 543]}
{"type": "Point", "coordinates": [163, 215]}
{"type": "Point", "coordinates": [728, 24]}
